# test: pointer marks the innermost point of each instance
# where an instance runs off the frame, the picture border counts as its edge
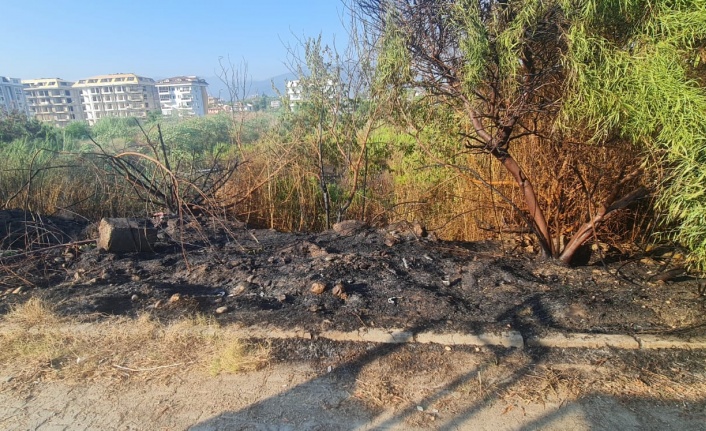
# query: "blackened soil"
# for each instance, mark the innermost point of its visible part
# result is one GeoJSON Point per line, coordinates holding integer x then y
{"type": "Point", "coordinates": [389, 278]}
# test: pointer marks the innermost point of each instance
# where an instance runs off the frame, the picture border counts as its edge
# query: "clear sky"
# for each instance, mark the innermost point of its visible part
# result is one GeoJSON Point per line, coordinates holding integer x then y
{"type": "Point", "coordinates": [81, 38]}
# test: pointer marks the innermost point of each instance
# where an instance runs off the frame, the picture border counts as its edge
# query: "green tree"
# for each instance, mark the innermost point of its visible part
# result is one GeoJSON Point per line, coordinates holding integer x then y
{"type": "Point", "coordinates": [339, 111]}
{"type": "Point", "coordinates": [633, 65]}
{"type": "Point", "coordinates": [517, 69]}
{"type": "Point", "coordinates": [17, 125]}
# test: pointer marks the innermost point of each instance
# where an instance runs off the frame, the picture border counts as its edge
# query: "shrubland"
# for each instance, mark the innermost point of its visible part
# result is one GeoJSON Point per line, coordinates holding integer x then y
{"type": "Point", "coordinates": [567, 123]}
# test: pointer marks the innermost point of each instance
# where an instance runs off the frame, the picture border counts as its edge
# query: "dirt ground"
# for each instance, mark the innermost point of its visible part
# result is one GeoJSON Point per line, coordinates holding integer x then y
{"type": "Point", "coordinates": [353, 277]}
{"type": "Point", "coordinates": [319, 385]}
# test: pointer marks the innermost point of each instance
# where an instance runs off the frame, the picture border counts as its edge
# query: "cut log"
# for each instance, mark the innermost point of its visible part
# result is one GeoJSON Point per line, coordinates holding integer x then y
{"type": "Point", "coordinates": [122, 235]}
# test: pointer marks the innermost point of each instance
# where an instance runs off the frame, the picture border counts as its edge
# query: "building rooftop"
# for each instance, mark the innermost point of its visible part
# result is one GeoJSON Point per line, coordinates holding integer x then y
{"type": "Point", "coordinates": [46, 83]}
{"type": "Point", "coordinates": [182, 80]}
{"type": "Point", "coordinates": [10, 80]}
{"type": "Point", "coordinates": [115, 78]}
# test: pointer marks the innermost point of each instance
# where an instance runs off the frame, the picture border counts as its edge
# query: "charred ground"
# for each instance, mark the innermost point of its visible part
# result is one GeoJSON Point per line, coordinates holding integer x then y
{"type": "Point", "coordinates": [396, 277]}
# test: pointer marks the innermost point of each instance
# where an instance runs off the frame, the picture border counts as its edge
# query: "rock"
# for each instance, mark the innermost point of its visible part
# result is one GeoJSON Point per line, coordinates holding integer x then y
{"type": "Point", "coordinates": [419, 230]}
{"type": "Point", "coordinates": [122, 235]}
{"type": "Point", "coordinates": [317, 288]}
{"type": "Point", "coordinates": [348, 227]}
{"type": "Point", "coordinates": [316, 251]}
{"type": "Point", "coordinates": [21, 289]}
{"type": "Point", "coordinates": [242, 287]}
{"type": "Point", "coordinates": [222, 310]}
{"type": "Point", "coordinates": [339, 290]}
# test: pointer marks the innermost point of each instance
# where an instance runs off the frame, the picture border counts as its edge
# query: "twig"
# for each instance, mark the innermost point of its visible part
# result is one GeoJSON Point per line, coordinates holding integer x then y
{"type": "Point", "coordinates": [68, 244]}
{"type": "Point", "coordinates": [138, 370]}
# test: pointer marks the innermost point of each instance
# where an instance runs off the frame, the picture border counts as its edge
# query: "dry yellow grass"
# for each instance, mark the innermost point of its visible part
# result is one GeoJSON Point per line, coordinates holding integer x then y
{"type": "Point", "coordinates": [34, 312]}
{"type": "Point", "coordinates": [37, 344]}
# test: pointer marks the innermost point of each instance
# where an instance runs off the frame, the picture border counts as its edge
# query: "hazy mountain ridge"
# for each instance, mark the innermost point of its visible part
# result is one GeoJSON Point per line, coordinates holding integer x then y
{"type": "Point", "coordinates": [217, 88]}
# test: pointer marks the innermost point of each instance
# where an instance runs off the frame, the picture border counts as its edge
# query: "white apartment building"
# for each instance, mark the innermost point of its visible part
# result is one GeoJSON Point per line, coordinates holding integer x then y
{"type": "Point", "coordinates": [183, 96]}
{"type": "Point", "coordinates": [117, 95]}
{"type": "Point", "coordinates": [296, 92]}
{"type": "Point", "coordinates": [53, 100]}
{"type": "Point", "coordinates": [12, 96]}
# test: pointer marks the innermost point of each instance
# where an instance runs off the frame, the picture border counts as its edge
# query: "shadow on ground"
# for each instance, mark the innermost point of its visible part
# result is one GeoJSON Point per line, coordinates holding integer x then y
{"type": "Point", "coordinates": [327, 402]}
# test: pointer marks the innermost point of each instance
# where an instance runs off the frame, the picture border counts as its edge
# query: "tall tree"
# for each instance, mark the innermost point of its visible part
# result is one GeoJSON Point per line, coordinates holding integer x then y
{"type": "Point", "coordinates": [512, 68]}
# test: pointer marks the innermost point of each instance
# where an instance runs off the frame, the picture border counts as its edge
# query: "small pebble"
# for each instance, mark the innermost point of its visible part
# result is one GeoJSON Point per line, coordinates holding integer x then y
{"type": "Point", "coordinates": [317, 288]}
{"type": "Point", "coordinates": [222, 310]}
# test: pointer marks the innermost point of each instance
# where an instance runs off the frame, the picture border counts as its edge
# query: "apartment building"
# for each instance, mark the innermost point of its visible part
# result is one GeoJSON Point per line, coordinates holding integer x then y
{"type": "Point", "coordinates": [183, 96]}
{"type": "Point", "coordinates": [53, 100]}
{"type": "Point", "coordinates": [117, 95]}
{"type": "Point", "coordinates": [12, 96]}
{"type": "Point", "coordinates": [296, 93]}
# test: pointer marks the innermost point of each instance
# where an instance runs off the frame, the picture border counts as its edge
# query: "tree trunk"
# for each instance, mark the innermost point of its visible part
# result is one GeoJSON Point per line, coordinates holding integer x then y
{"type": "Point", "coordinates": [603, 214]}
{"type": "Point", "coordinates": [530, 196]}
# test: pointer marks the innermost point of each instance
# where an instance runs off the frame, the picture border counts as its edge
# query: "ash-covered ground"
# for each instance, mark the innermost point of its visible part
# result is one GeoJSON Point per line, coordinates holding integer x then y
{"type": "Point", "coordinates": [351, 277]}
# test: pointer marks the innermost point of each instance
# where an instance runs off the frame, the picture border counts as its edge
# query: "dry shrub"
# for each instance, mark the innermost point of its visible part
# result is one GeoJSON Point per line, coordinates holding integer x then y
{"type": "Point", "coordinates": [33, 312]}
{"type": "Point", "coordinates": [237, 356]}
{"type": "Point", "coordinates": [277, 187]}
{"type": "Point", "coordinates": [571, 180]}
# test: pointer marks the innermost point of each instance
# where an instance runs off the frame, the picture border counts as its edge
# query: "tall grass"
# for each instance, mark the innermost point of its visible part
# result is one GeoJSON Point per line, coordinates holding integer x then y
{"type": "Point", "coordinates": [427, 177]}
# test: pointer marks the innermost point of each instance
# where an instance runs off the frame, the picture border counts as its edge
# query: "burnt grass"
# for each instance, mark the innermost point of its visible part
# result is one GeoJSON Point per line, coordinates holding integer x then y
{"type": "Point", "coordinates": [393, 277]}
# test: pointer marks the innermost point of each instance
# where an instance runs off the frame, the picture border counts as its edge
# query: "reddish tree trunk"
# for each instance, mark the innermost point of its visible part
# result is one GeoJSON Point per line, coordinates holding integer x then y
{"type": "Point", "coordinates": [530, 196]}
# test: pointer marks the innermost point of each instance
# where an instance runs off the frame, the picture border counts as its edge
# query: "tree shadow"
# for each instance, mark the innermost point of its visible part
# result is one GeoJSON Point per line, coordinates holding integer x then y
{"type": "Point", "coordinates": [321, 413]}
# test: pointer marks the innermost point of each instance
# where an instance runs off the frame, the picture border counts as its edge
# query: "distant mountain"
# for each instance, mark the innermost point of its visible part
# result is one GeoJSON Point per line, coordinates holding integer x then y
{"type": "Point", "coordinates": [217, 88]}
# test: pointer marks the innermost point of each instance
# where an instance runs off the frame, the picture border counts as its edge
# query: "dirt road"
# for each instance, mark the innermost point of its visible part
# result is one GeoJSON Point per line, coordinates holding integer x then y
{"type": "Point", "coordinates": [381, 388]}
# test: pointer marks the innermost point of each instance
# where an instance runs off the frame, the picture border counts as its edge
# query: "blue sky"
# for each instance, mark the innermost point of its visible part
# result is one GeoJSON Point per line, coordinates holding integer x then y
{"type": "Point", "coordinates": [81, 38]}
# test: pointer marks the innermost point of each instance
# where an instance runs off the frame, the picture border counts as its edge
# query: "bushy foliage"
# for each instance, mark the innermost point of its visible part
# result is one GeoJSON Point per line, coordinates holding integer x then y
{"type": "Point", "coordinates": [631, 77]}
